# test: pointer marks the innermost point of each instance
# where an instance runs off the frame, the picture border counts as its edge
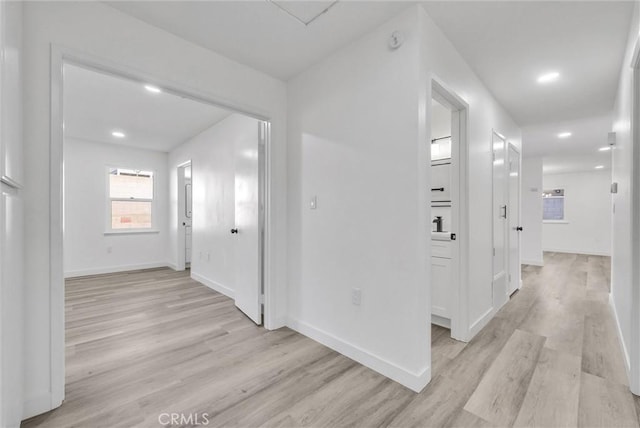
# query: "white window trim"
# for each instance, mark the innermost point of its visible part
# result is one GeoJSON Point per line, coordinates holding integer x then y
{"type": "Point", "coordinates": [564, 207]}
{"type": "Point", "coordinates": [154, 205]}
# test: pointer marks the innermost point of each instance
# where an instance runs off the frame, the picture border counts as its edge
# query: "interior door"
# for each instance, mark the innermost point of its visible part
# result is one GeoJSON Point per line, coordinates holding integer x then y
{"type": "Point", "coordinates": [514, 220]}
{"type": "Point", "coordinates": [188, 210]}
{"type": "Point", "coordinates": [499, 220]}
{"type": "Point", "coordinates": [249, 158]}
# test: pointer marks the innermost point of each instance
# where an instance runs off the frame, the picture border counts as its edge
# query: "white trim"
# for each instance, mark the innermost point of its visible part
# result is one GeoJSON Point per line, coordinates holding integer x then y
{"type": "Point", "coordinates": [634, 186]}
{"type": "Point", "coordinates": [114, 269]}
{"type": "Point", "coordinates": [625, 352]}
{"type": "Point", "coordinates": [223, 289]}
{"type": "Point", "coordinates": [555, 221]}
{"type": "Point", "coordinates": [441, 321]}
{"type": "Point", "coordinates": [108, 201]}
{"type": "Point", "coordinates": [459, 202]}
{"type": "Point", "coordinates": [576, 251]}
{"type": "Point", "coordinates": [532, 262]}
{"type": "Point", "coordinates": [481, 322]}
{"type": "Point", "coordinates": [37, 405]}
{"type": "Point", "coordinates": [60, 55]}
{"type": "Point", "coordinates": [130, 231]}
{"type": "Point", "coordinates": [412, 380]}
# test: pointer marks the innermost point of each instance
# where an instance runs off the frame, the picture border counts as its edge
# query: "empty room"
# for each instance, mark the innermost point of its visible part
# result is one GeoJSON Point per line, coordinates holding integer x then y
{"type": "Point", "coordinates": [326, 213]}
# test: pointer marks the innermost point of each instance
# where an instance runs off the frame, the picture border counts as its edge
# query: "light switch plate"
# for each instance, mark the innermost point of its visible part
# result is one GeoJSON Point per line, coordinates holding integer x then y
{"type": "Point", "coordinates": [313, 203]}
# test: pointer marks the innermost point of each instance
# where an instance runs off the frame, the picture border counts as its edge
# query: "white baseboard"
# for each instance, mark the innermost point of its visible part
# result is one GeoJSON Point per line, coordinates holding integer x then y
{"type": "Point", "coordinates": [37, 405]}
{"type": "Point", "coordinates": [213, 285]}
{"type": "Point", "coordinates": [625, 352]}
{"type": "Point", "coordinates": [114, 269]}
{"type": "Point", "coordinates": [276, 323]}
{"type": "Point", "coordinates": [575, 251]}
{"type": "Point", "coordinates": [413, 381]}
{"type": "Point", "coordinates": [441, 321]}
{"type": "Point", "coordinates": [532, 262]}
{"type": "Point", "coordinates": [480, 323]}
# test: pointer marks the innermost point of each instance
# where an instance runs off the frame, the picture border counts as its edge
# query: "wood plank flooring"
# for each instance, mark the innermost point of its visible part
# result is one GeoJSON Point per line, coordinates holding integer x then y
{"type": "Point", "coordinates": [140, 344]}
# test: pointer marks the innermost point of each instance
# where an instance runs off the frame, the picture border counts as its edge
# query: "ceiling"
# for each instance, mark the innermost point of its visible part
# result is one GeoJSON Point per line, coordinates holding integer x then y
{"type": "Point", "coordinates": [262, 35]}
{"type": "Point", "coordinates": [510, 44]}
{"type": "Point", "coordinates": [96, 104]}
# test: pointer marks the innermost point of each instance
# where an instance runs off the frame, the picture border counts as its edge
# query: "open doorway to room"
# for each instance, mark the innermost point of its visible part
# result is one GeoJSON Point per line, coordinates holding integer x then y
{"type": "Point", "coordinates": [448, 220]}
{"type": "Point", "coordinates": [506, 215]}
{"type": "Point", "coordinates": [185, 216]}
{"type": "Point", "coordinates": [155, 180]}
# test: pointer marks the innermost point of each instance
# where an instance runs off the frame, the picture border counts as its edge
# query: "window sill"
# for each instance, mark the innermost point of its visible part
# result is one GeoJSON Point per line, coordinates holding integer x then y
{"type": "Point", "coordinates": [555, 221]}
{"type": "Point", "coordinates": [131, 232]}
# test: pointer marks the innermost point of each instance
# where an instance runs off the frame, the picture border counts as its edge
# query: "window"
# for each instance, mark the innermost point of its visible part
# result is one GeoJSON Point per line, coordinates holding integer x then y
{"type": "Point", "coordinates": [553, 205]}
{"type": "Point", "coordinates": [130, 204]}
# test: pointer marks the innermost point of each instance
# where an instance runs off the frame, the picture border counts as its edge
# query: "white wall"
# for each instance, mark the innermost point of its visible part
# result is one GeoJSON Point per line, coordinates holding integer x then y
{"type": "Point", "coordinates": [587, 209]}
{"type": "Point", "coordinates": [103, 32]}
{"type": "Point", "coordinates": [87, 250]}
{"type": "Point", "coordinates": [358, 141]}
{"type": "Point", "coordinates": [531, 211]}
{"type": "Point", "coordinates": [440, 59]}
{"type": "Point", "coordinates": [213, 176]}
{"type": "Point", "coordinates": [623, 172]}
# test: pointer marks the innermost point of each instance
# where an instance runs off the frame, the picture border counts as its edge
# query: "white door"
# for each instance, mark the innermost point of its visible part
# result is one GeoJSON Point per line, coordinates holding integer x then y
{"type": "Point", "coordinates": [499, 221]}
{"type": "Point", "coordinates": [249, 159]}
{"type": "Point", "coordinates": [514, 220]}
{"type": "Point", "coordinates": [188, 204]}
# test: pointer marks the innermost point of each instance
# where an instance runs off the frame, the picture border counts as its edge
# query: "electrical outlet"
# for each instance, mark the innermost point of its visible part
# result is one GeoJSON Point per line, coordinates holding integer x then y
{"type": "Point", "coordinates": [109, 250]}
{"type": "Point", "coordinates": [356, 296]}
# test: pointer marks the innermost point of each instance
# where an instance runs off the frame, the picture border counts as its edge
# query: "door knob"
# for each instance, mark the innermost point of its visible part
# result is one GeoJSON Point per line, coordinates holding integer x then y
{"type": "Point", "coordinates": [519, 228]}
{"type": "Point", "coordinates": [234, 230]}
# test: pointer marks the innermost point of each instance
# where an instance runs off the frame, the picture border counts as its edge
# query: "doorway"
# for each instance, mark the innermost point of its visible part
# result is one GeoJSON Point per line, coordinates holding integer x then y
{"type": "Point", "coordinates": [514, 228]}
{"type": "Point", "coordinates": [254, 180]}
{"type": "Point", "coordinates": [499, 215]}
{"type": "Point", "coordinates": [506, 219]}
{"type": "Point", "coordinates": [185, 216]}
{"type": "Point", "coordinates": [448, 215]}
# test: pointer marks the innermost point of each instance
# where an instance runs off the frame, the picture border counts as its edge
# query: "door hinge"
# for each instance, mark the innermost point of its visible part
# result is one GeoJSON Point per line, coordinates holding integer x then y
{"type": "Point", "coordinates": [262, 299]}
{"type": "Point", "coordinates": [494, 252]}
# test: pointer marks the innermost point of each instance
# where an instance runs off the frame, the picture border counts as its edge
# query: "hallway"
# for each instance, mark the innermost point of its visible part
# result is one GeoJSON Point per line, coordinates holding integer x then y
{"type": "Point", "coordinates": [549, 358]}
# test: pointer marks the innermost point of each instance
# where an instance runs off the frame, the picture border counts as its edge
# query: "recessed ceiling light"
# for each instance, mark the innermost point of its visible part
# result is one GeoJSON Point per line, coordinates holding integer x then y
{"type": "Point", "coordinates": [564, 135]}
{"type": "Point", "coordinates": [600, 167]}
{"type": "Point", "coordinates": [118, 134]}
{"type": "Point", "coordinates": [548, 77]}
{"type": "Point", "coordinates": [153, 89]}
{"type": "Point", "coordinates": [604, 149]}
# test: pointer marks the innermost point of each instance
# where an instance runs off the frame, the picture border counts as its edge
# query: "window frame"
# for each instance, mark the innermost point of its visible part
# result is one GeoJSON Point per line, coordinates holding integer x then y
{"type": "Point", "coordinates": [109, 230]}
{"type": "Point", "coordinates": [564, 206]}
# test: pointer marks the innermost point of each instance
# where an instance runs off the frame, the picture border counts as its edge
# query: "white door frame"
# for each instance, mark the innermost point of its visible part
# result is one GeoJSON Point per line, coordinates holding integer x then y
{"type": "Point", "coordinates": [59, 56]}
{"type": "Point", "coordinates": [460, 328]}
{"type": "Point", "coordinates": [499, 295]}
{"type": "Point", "coordinates": [633, 356]}
{"type": "Point", "coordinates": [510, 229]}
{"type": "Point", "coordinates": [181, 262]}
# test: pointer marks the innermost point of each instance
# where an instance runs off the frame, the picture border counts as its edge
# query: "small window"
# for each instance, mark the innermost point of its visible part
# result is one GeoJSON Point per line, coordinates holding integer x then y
{"type": "Point", "coordinates": [553, 205]}
{"type": "Point", "coordinates": [130, 204]}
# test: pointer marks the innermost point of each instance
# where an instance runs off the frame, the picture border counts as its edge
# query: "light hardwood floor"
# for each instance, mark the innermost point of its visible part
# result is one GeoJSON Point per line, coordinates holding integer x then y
{"type": "Point", "coordinates": [144, 343]}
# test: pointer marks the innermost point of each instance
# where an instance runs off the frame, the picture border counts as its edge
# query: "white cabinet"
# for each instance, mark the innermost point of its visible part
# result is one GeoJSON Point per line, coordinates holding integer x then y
{"type": "Point", "coordinates": [11, 169]}
{"type": "Point", "coordinates": [441, 287]}
{"type": "Point", "coordinates": [441, 182]}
